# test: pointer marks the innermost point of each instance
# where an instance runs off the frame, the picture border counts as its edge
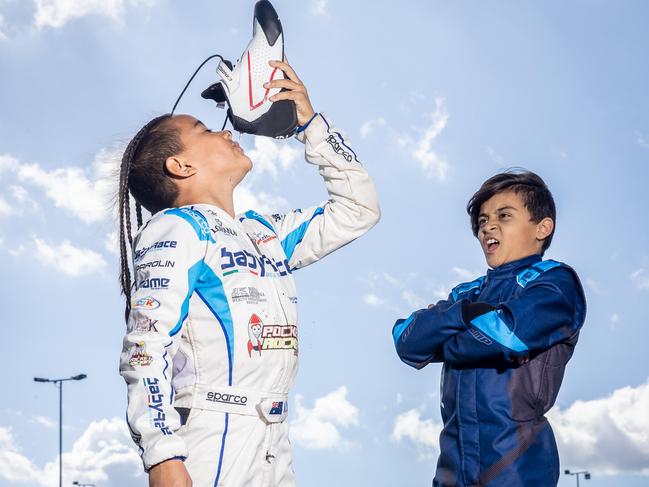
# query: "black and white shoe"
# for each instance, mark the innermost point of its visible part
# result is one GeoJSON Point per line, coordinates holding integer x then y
{"type": "Point", "coordinates": [250, 110]}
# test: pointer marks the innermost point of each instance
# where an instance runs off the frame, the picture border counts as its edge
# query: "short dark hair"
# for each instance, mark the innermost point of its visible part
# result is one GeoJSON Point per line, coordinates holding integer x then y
{"type": "Point", "coordinates": [534, 192]}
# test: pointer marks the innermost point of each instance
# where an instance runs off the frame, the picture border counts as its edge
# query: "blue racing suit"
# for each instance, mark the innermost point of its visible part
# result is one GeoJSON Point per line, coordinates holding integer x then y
{"type": "Point", "coordinates": [504, 340]}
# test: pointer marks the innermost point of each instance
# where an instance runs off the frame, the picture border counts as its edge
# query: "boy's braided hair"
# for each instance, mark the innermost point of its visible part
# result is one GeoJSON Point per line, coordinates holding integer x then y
{"type": "Point", "coordinates": [143, 175]}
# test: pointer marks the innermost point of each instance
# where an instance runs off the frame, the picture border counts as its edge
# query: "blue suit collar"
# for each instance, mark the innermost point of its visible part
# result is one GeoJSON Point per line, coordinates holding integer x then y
{"type": "Point", "coordinates": [512, 268]}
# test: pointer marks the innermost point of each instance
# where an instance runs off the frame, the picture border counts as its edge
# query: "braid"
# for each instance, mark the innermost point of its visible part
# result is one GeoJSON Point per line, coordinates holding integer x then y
{"type": "Point", "coordinates": [138, 214]}
{"type": "Point", "coordinates": [125, 209]}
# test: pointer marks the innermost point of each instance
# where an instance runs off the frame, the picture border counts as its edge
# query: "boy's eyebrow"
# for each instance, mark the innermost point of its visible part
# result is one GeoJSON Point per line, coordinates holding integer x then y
{"type": "Point", "coordinates": [197, 123]}
{"type": "Point", "coordinates": [502, 208]}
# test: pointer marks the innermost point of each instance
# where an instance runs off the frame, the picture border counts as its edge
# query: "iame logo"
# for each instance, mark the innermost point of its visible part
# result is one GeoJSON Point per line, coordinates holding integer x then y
{"type": "Point", "coordinates": [155, 283]}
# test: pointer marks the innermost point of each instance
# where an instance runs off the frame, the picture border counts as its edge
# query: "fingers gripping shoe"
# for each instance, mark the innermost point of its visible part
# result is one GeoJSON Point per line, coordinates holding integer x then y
{"type": "Point", "coordinates": [250, 109]}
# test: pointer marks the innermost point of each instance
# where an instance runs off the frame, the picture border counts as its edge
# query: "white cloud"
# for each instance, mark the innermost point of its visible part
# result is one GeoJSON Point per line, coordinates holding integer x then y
{"type": "Point", "coordinates": [318, 427]}
{"type": "Point", "coordinates": [413, 300]}
{"type": "Point", "coordinates": [465, 274]}
{"type": "Point", "coordinates": [8, 163]}
{"type": "Point", "coordinates": [5, 208]}
{"type": "Point", "coordinates": [104, 454]}
{"type": "Point", "coordinates": [246, 198]}
{"type": "Point", "coordinates": [271, 156]}
{"type": "Point", "coordinates": [70, 260]}
{"type": "Point", "coordinates": [608, 435]}
{"type": "Point", "coordinates": [430, 162]}
{"type": "Point", "coordinates": [14, 466]}
{"type": "Point", "coordinates": [594, 286]}
{"type": "Point", "coordinates": [368, 127]}
{"type": "Point", "coordinates": [422, 433]}
{"type": "Point", "coordinates": [112, 242]}
{"type": "Point", "coordinates": [319, 7]}
{"type": "Point", "coordinates": [19, 193]}
{"type": "Point", "coordinates": [372, 299]}
{"type": "Point", "coordinates": [87, 197]}
{"type": "Point", "coordinates": [44, 421]}
{"type": "Point", "coordinates": [640, 278]}
{"type": "Point", "coordinates": [56, 13]}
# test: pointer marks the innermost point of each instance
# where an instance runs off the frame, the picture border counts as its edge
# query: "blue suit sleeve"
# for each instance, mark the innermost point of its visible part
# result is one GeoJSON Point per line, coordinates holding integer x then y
{"type": "Point", "coordinates": [550, 310]}
{"type": "Point", "coordinates": [419, 339]}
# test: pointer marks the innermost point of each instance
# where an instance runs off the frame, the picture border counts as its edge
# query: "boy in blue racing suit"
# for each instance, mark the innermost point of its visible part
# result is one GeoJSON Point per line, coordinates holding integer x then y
{"type": "Point", "coordinates": [504, 341]}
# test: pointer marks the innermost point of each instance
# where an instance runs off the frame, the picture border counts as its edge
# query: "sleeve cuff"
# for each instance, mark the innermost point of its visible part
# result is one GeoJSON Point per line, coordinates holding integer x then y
{"type": "Point", "coordinates": [302, 128]}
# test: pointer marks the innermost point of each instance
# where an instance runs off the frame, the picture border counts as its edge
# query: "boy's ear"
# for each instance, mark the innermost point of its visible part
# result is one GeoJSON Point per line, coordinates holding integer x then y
{"type": "Point", "coordinates": [179, 167]}
{"type": "Point", "coordinates": [544, 228]}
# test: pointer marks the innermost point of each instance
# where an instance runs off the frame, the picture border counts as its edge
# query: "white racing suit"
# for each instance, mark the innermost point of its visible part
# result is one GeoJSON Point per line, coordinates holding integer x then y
{"type": "Point", "coordinates": [211, 349]}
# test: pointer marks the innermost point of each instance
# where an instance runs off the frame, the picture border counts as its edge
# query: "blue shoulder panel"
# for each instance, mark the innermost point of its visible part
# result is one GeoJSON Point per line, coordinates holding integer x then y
{"type": "Point", "coordinates": [528, 275]}
{"type": "Point", "coordinates": [196, 220]}
{"type": "Point", "coordinates": [293, 239]}
{"type": "Point", "coordinates": [253, 215]}
{"type": "Point", "coordinates": [192, 278]}
{"type": "Point", "coordinates": [466, 287]}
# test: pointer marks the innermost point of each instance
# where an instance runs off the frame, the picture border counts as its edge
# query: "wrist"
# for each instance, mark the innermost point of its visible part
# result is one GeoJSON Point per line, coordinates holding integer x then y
{"type": "Point", "coordinates": [303, 127]}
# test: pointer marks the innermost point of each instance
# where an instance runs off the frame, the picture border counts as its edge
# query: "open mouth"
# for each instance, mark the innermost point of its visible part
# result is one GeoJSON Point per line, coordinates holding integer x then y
{"type": "Point", "coordinates": [492, 245]}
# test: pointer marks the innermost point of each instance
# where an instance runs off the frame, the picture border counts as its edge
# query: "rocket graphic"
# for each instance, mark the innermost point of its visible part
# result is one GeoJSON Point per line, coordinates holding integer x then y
{"type": "Point", "coordinates": [255, 326]}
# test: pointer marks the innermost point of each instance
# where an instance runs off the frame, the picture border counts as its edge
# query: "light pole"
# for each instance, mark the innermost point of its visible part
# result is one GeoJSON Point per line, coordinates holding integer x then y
{"type": "Point", "coordinates": [577, 474]}
{"type": "Point", "coordinates": [59, 383]}
{"type": "Point", "coordinates": [83, 485]}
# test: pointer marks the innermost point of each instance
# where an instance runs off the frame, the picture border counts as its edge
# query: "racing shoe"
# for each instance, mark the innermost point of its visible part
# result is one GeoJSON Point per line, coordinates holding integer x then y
{"type": "Point", "coordinates": [250, 110]}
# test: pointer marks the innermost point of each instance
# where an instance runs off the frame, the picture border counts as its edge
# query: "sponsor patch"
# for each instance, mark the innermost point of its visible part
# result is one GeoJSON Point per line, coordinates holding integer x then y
{"type": "Point", "coordinates": [478, 335]}
{"type": "Point", "coordinates": [244, 261]}
{"type": "Point", "coordinates": [140, 357]}
{"type": "Point", "coordinates": [263, 238]}
{"type": "Point", "coordinates": [338, 148]}
{"type": "Point", "coordinates": [248, 295]}
{"type": "Point", "coordinates": [145, 325]}
{"type": "Point", "coordinates": [154, 283]}
{"type": "Point", "coordinates": [156, 263]}
{"type": "Point", "coordinates": [157, 415]}
{"type": "Point", "coordinates": [226, 398]}
{"type": "Point", "coordinates": [270, 337]}
{"type": "Point", "coordinates": [219, 228]}
{"type": "Point", "coordinates": [146, 303]}
{"type": "Point", "coordinates": [165, 244]}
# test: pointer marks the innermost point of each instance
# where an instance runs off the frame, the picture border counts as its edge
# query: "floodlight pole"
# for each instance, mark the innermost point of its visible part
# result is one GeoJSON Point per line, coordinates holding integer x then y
{"type": "Point", "coordinates": [59, 383]}
{"type": "Point", "coordinates": [585, 473]}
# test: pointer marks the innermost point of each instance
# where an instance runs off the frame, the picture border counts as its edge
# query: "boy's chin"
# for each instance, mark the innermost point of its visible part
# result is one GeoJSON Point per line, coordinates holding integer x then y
{"type": "Point", "coordinates": [494, 260]}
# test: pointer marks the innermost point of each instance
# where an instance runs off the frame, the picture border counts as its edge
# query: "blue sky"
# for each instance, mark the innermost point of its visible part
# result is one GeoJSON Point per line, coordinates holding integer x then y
{"type": "Point", "coordinates": [435, 96]}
